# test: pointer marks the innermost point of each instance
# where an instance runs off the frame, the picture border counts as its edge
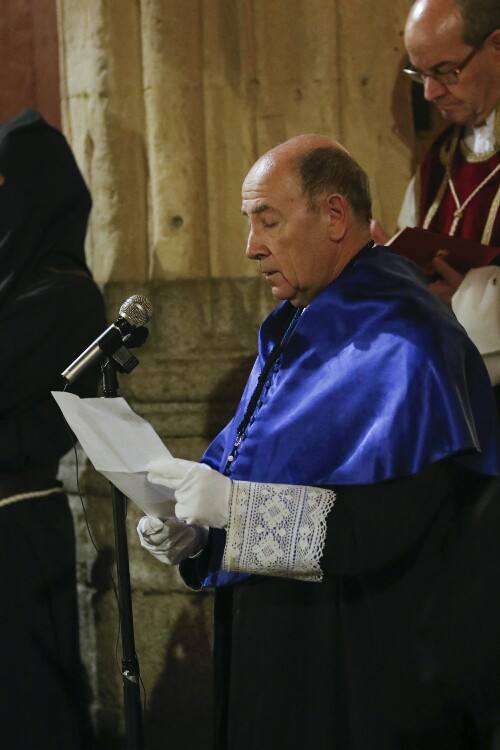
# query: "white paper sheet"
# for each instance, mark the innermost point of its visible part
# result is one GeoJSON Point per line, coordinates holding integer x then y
{"type": "Point", "coordinates": [121, 445]}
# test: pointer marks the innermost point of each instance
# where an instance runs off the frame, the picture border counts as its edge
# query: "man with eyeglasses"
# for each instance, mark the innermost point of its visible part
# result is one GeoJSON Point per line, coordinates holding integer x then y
{"type": "Point", "coordinates": [454, 51]}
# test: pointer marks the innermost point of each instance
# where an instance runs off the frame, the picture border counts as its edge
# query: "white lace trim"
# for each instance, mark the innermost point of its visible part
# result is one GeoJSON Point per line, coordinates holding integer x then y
{"type": "Point", "coordinates": [277, 530]}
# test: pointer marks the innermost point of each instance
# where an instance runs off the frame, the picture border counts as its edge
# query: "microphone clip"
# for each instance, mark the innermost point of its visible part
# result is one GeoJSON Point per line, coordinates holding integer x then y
{"type": "Point", "coordinates": [124, 360]}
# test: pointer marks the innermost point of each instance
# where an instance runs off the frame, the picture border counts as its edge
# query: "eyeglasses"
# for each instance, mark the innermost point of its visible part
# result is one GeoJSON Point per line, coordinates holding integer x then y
{"type": "Point", "coordinates": [446, 77]}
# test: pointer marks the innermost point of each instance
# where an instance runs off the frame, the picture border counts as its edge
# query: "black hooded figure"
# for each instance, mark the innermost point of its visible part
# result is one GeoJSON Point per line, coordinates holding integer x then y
{"type": "Point", "coordinates": [50, 310]}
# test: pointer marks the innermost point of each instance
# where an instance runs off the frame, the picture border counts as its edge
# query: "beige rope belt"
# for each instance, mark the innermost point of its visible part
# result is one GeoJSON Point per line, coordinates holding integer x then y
{"type": "Point", "coordinates": [31, 495]}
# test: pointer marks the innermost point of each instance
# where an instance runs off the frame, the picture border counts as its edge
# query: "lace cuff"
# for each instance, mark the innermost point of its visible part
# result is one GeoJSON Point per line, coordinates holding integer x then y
{"type": "Point", "coordinates": [277, 530]}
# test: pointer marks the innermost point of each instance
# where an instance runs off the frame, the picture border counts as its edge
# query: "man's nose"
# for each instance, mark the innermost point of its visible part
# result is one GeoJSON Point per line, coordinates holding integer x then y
{"type": "Point", "coordinates": [433, 89]}
{"type": "Point", "coordinates": [256, 249]}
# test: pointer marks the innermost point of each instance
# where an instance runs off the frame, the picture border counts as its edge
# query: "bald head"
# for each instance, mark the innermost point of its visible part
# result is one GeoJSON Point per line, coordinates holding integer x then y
{"type": "Point", "coordinates": [474, 20]}
{"type": "Point", "coordinates": [284, 156]}
{"type": "Point", "coordinates": [300, 144]}
{"type": "Point", "coordinates": [321, 164]}
{"type": "Point", "coordinates": [477, 19]}
{"type": "Point", "coordinates": [430, 20]}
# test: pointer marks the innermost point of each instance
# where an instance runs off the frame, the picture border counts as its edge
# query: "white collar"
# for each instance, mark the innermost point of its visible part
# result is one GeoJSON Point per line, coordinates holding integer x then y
{"type": "Point", "coordinates": [482, 139]}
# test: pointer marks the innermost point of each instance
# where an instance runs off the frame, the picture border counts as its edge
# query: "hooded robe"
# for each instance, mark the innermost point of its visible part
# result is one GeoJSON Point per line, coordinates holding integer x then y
{"type": "Point", "coordinates": [50, 310]}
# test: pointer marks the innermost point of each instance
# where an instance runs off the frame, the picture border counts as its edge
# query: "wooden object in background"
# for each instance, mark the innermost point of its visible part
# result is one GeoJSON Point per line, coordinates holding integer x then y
{"type": "Point", "coordinates": [29, 72]}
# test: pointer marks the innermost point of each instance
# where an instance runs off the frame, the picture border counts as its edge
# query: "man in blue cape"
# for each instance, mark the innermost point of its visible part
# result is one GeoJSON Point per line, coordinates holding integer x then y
{"type": "Point", "coordinates": [326, 512]}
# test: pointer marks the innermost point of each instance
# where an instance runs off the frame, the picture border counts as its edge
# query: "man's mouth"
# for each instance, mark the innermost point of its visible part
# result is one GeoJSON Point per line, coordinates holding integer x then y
{"type": "Point", "coordinates": [447, 105]}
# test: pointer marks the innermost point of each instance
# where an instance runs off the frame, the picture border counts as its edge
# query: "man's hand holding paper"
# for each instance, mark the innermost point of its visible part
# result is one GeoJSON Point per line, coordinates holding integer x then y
{"type": "Point", "coordinates": [202, 498]}
{"type": "Point", "coordinates": [181, 498]}
{"type": "Point", "coordinates": [121, 445]}
{"type": "Point", "coordinates": [202, 495]}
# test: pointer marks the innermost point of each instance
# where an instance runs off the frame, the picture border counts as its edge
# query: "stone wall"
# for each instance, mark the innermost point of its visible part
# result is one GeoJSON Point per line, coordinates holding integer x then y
{"type": "Point", "coordinates": [167, 103]}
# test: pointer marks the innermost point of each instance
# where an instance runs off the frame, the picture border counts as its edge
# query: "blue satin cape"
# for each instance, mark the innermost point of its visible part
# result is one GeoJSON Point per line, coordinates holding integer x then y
{"type": "Point", "coordinates": [377, 380]}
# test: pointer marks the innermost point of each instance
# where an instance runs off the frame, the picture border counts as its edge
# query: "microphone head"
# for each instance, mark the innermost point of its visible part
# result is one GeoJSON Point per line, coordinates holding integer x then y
{"type": "Point", "coordinates": [137, 310]}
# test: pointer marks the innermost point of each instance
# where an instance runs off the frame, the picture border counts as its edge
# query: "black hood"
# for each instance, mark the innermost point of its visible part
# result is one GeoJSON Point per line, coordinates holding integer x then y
{"type": "Point", "coordinates": [44, 204]}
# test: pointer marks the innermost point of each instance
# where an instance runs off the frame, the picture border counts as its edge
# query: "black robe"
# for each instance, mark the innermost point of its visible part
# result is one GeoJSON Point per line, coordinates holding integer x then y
{"type": "Point", "coordinates": [384, 653]}
{"type": "Point", "coordinates": [50, 310]}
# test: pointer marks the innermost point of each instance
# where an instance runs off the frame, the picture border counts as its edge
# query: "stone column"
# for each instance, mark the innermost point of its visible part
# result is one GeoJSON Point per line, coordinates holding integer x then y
{"type": "Point", "coordinates": [175, 136]}
{"type": "Point", "coordinates": [103, 117]}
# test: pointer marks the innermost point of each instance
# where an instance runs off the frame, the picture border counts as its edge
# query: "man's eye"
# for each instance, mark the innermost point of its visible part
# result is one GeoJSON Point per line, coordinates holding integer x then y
{"type": "Point", "coordinates": [269, 224]}
{"type": "Point", "coordinates": [443, 71]}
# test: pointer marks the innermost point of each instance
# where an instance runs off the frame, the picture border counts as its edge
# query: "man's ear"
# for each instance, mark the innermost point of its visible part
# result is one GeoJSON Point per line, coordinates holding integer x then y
{"type": "Point", "coordinates": [494, 41]}
{"type": "Point", "coordinates": [337, 216]}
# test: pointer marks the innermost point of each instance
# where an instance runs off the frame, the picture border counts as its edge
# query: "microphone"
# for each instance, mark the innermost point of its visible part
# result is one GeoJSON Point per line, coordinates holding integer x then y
{"type": "Point", "coordinates": [134, 313]}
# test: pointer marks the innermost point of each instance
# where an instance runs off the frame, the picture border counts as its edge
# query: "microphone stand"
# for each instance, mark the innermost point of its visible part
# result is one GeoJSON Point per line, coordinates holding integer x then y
{"type": "Point", "coordinates": [130, 663]}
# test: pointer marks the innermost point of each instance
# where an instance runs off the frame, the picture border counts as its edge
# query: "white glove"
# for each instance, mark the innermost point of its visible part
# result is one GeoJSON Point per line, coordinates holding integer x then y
{"type": "Point", "coordinates": [202, 494]}
{"type": "Point", "coordinates": [170, 541]}
{"type": "Point", "coordinates": [476, 303]}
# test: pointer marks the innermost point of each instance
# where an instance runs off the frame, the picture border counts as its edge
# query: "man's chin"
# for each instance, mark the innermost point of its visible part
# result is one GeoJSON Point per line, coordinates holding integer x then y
{"type": "Point", "coordinates": [280, 294]}
{"type": "Point", "coordinates": [283, 292]}
{"type": "Point", "coordinates": [454, 113]}
{"type": "Point", "coordinates": [294, 296]}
